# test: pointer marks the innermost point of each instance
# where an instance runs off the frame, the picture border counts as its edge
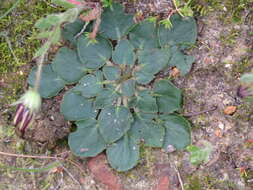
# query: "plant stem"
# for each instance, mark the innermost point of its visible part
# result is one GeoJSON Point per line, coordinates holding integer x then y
{"type": "Point", "coordinates": [119, 102]}
{"type": "Point", "coordinates": [177, 9]}
{"type": "Point", "coordinates": [38, 73]}
{"type": "Point", "coordinates": [82, 31]}
{"type": "Point", "coordinates": [125, 102]}
{"type": "Point", "coordinates": [124, 78]}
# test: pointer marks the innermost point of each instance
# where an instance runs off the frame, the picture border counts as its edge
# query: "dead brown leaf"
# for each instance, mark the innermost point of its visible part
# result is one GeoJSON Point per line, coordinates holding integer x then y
{"type": "Point", "coordinates": [175, 72]}
{"type": "Point", "coordinates": [229, 110]}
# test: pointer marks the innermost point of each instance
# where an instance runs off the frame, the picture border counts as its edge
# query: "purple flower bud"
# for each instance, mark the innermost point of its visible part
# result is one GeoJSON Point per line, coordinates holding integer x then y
{"type": "Point", "coordinates": [28, 104]}
{"type": "Point", "coordinates": [26, 122]}
{"type": "Point", "coordinates": [244, 91]}
{"type": "Point", "coordinates": [19, 113]}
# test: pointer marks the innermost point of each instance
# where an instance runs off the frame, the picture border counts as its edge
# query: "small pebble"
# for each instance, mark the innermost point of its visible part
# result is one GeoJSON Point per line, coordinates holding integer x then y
{"type": "Point", "coordinates": [221, 126]}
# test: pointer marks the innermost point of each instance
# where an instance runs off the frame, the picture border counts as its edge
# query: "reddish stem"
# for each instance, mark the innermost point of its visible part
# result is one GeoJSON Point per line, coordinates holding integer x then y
{"type": "Point", "coordinates": [74, 2]}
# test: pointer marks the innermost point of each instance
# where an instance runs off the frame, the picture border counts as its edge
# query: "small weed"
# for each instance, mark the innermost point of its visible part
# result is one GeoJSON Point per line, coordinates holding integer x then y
{"type": "Point", "coordinates": [241, 67]}
{"type": "Point", "coordinates": [198, 154]}
{"type": "Point", "coordinates": [107, 3]}
{"type": "Point", "coordinates": [247, 176]}
{"type": "Point", "coordinates": [18, 26]}
{"type": "Point", "coordinates": [230, 39]}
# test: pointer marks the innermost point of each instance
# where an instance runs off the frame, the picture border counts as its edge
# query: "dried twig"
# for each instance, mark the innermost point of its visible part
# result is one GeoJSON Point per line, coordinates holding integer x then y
{"type": "Point", "coordinates": [60, 183]}
{"type": "Point", "coordinates": [179, 176]}
{"type": "Point", "coordinates": [71, 176]}
{"type": "Point", "coordinates": [215, 159]}
{"type": "Point", "coordinates": [200, 112]}
{"type": "Point", "coordinates": [62, 153]}
{"type": "Point", "coordinates": [75, 164]}
{"type": "Point", "coordinates": [28, 156]}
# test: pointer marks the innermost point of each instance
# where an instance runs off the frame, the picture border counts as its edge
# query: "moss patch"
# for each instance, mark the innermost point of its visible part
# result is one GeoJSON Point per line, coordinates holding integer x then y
{"type": "Point", "coordinates": [18, 27]}
{"type": "Point", "coordinates": [16, 38]}
{"type": "Point", "coordinates": [207, 182]}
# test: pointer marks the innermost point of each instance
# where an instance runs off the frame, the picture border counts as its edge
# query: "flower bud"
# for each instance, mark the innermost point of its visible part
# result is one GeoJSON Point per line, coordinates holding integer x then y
{"type": "Point", "coordinates": [28, 105]}
{"type": "Point", "coordinates": [244, 91]}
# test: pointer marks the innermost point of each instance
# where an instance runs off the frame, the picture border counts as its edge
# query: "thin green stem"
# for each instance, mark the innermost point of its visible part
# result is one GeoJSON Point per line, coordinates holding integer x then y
{"type": "Point", "coordinates": [82, 31]}
{"type": "Point", "coordinates": [177, 9]}
{"type": "Point", "coordinates": [124, 78]}
{"type": "Point", "coordinates": [125, 101]}
{"type": "Point", "coordinates": [39, 70]}
{"type": "Point", "coordinates": [119, 101]}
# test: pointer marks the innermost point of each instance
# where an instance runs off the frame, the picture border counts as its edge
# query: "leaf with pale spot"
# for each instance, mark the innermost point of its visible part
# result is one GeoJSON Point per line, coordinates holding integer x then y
{"type": "Point", "coordinates": [86, 141]}
{"type": "Point", "coordinates": [148, 130]}
{"type": "Point", "coordinates": [177, 132]}
{"type": "Point", "coordinates": [114, 122]}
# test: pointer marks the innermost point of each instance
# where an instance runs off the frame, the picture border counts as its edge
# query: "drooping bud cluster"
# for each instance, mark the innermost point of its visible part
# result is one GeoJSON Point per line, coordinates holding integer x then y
{"type": "Point", "coordinates": [28, 105]}
{"type": "Point", "coordinates": [244, 91]}
{"type": "Point", "coordinates": [22, 117]}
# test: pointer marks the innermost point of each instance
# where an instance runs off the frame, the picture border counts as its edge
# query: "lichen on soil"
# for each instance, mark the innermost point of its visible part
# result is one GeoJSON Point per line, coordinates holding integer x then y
{"type": "Point", "coordinates": [223, 53]}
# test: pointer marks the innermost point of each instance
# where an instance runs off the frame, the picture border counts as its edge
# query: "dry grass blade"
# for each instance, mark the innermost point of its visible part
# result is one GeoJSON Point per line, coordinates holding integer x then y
{"type": "Point", "coordinates": [42, 157]}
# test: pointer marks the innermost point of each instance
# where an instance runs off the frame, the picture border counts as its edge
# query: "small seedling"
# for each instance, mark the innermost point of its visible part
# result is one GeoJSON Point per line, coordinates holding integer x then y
{"type": "Point", "coordinates": [200, 155]}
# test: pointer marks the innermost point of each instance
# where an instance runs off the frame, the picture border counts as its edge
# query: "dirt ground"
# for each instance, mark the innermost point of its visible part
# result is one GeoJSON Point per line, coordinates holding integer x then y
{"type": "Point", "coordinates": [224, 51]}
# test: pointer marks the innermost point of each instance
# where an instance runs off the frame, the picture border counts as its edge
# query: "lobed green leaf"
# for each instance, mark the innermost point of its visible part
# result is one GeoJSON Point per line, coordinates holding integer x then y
{"type": "Point", "coordinates": [144, 35]}
{"type": "Point", "coordinates": [169, 97]}
{"type": "Point", "coordinates": [124, 53]}
{"type": "Point", "coordinates": [86, 141]}
{"type": "Point", "coordinates": [89, 86]}
{"type": "Point", "coordinates": [50, 83]}
{"type": "Point", "coordinates": [68, 66]}
{"type": "Point", "coordinates": [124, 153]}
{"type": "Point", "coordinates": [183, 33]}
{"type": "Point", "coordinates": [146, 129]}
{"type": "Point", "coordinates": [177, 132]}
{"type": "Point", "coordinates": [111, 73]}
{"type": "Point", "coordinates": [75, 107]}
{"type": "Point", "coordinates": [94, 55]}
{"type": "Point", "coordinates": [114, 122]}
{"type": "Point", "coordinates": [115, 23]}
